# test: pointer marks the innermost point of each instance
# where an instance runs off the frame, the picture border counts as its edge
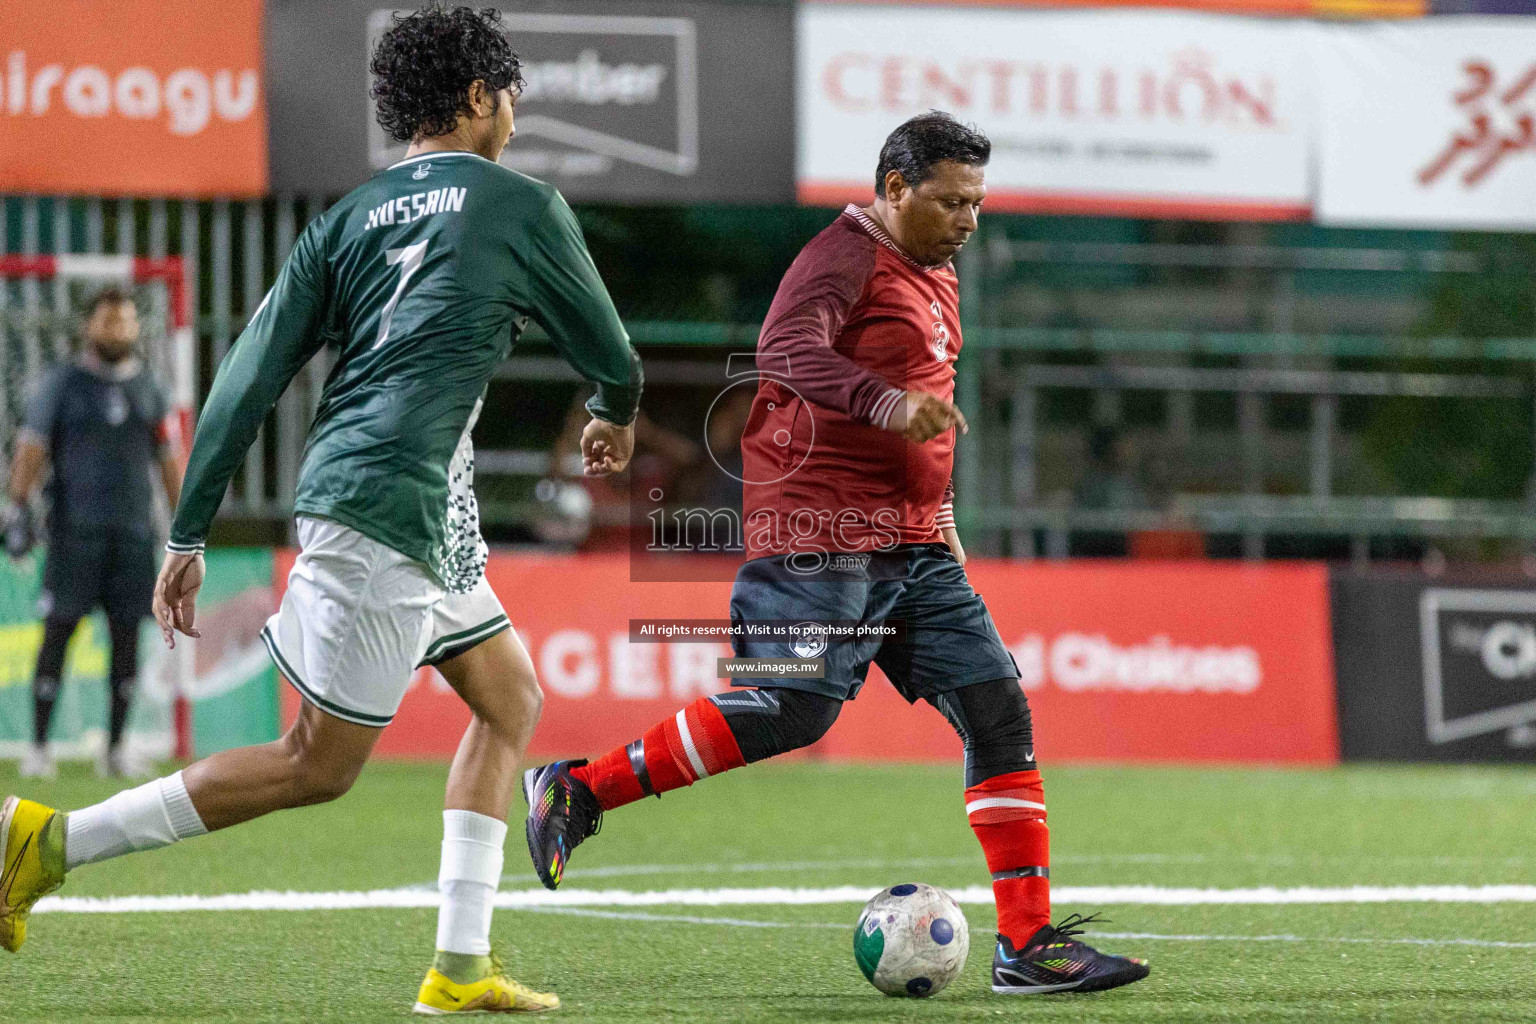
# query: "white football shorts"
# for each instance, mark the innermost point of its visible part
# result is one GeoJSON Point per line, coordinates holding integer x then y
{"type": "Point", "coordinates": [359, 618]}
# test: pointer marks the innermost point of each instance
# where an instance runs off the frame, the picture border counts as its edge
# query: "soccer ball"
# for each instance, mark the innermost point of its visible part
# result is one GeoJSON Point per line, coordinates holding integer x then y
{"type": "Point", "coordinates": [911, 940]}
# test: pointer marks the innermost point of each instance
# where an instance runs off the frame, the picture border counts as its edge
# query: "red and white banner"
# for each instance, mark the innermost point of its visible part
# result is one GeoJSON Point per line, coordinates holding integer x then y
{"type": "Point", "coordinates": [1429, 125]}
{"type": "Point", "coordinates": [133, 97]}
{"type": "Point", "coordinates": [1149, 113]}
{"type": "Point", "coordinates": [1121, 661]}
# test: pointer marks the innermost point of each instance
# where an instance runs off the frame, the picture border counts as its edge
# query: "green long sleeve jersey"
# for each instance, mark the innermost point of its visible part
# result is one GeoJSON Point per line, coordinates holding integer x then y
{"type": "Point", "coordinates": [421, 280]}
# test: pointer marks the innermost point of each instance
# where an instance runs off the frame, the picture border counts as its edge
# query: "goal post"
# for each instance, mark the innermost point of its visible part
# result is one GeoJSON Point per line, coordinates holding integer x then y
{"type": "Point", "coordinates": [41, 301]}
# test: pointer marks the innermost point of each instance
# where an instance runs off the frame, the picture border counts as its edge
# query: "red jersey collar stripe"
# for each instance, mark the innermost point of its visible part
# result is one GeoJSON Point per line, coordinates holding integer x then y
{"type": "Point", "coordinates": [878, 233]}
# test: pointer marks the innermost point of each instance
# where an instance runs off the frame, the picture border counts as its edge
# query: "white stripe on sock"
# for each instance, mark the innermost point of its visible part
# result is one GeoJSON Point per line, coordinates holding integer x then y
{"type": "Point", "coordinates": [689, 748]}
{"type": "Point", "coordinates": [1001, 801]}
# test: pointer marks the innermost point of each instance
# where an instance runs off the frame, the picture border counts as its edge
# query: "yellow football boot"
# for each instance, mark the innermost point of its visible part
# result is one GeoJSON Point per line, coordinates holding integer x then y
{"type": "Point", "coordinates": [495, 993]}
{"type": "Point", "coordinates": [31, 864]}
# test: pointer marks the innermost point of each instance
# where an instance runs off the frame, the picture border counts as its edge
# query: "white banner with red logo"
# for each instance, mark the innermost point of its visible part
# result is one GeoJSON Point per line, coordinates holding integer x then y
{"type": "Point", "coordinates": [1429, 125]}
{"type": "Point", "coordinates": [1149, 113]}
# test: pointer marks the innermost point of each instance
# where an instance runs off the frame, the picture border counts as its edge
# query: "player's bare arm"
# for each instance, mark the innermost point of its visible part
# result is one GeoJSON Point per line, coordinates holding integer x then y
{"type": "Point", "coordinates": [26, 469]}
{"type": "Point", "coordinates": [170, 477]}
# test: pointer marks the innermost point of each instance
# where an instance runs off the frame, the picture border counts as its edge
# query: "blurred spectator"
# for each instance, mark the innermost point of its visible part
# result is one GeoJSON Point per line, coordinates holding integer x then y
{"type": "Point", "coordinates": [1111, 480]}
{"type": "Point", "coordinates": [105, 428]}
{"type": "Point", "coordinates": [1176, 538]}
{"type": "Point", "coordinates": [715, 481]}
{"type": "Point", "coordinates": [601, 523]}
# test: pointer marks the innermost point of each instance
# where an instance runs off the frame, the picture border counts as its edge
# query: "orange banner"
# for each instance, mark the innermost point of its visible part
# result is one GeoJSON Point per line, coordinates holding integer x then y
{"type": "Point", "coordinates": [133, 97]}
{"type": "Point", "coordinates": [1183, 662]}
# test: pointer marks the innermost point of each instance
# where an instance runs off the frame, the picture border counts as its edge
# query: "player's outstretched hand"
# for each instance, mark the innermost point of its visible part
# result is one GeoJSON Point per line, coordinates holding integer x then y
{"type": "Point", "coordinates": [181, 577]}
{"type": "Point", "coordinates": [606, 447]}
{"type": "Point", "coordinates": [921, 417]}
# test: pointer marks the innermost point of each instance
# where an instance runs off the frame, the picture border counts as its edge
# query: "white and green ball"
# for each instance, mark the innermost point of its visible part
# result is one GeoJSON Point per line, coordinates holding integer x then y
{"type": "Point", "coordinates": [911, 940]}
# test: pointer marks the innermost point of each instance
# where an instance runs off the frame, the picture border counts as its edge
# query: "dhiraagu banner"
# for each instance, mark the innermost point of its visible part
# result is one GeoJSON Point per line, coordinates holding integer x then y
{"type": "Point", "coordinates": [228, 673]}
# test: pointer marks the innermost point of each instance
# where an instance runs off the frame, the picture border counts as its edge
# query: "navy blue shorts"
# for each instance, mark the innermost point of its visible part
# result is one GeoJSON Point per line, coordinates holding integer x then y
{"type": "Point", "coordinates": [947, 638]}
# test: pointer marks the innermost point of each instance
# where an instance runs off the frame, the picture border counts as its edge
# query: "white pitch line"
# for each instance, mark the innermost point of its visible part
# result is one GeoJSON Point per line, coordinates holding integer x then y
{"type": "Point", "coordinates": [1156, 937]}
{"type": "Point", "coordinates": [420, 898]}
{"type": "Point", "coordinates": [736, 922]}
{"type": "Point", "coordinates": [640, 915]}
{"type": "Point", "coordinates": [1155, 859]}
{"type": "Point", "coordinates": [779, 896]}
{"type": "Point", "coordinates": [760, 868]}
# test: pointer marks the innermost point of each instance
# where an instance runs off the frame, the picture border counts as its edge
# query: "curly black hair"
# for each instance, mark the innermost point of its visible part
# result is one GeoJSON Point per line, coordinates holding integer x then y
{"type": "Point", "coordinates": [927, 139]}
{"type": "Point", "coordinates": [424, 65]}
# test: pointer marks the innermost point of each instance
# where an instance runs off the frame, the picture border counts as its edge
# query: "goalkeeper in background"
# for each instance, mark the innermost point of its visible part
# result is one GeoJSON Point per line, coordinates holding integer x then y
{"type": "Point", "coordinates": [420, 281]}
{"type": "Point", "coordinates": [105, 427]}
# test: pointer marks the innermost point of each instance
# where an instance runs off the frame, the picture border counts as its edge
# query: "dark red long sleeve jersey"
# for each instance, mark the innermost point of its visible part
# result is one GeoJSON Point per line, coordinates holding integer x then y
{"type": "Point", "coordinates": [854, 325]}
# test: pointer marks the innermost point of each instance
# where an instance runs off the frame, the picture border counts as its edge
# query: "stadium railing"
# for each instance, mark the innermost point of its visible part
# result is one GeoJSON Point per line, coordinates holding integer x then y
{"type": "Point", "coordinates": [1038, 372]}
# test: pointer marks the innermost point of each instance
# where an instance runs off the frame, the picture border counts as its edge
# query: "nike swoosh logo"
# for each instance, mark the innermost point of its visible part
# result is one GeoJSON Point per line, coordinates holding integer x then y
{"type": "Point", "coordinates": [9, 878]}
{"type": "Point", "coordinates": [450, 995]}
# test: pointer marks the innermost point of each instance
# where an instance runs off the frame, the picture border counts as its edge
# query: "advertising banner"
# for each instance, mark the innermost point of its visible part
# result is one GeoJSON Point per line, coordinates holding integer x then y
{"type": "Point", "coordinates": [1175, 662]}
{"type": "Point", "coordinates": [1434, 670]}
{"type": "Point", "coordinates": [134, 97]}
{"type": "Point", "coordinates": [625, 101]}
{"type": "Point", "coordinates": [1295, 8]}
{"type": "Point", "coordinates": [1126, 113]}
{"type": "Point", "coordinates": [232, 682]}
{"type": "Point", "coordinates": [1429, 125]}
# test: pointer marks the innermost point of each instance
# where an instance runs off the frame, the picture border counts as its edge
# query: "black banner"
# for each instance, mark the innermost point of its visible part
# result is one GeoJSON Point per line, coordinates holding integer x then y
{"type": "Point", "coordinates": [1435, 669]}
{"type": "Point", "coordinates": [626, 100]}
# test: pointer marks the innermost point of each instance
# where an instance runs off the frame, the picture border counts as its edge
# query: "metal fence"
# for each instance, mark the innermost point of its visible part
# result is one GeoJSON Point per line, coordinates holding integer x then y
{"type": "Point", "coordinates": [1062, 336]}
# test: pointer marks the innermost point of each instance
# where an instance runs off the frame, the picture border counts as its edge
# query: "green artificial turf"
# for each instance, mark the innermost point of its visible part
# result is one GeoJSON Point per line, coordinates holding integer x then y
{"type": "Point", "coordinates": [805, 824]}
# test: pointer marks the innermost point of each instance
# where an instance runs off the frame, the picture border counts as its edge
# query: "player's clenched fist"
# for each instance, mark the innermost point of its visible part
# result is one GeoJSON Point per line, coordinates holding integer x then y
{"type": "Point", "coordinates": [606, 447]}
{"type": "Point", "coordinates": [920, 417]}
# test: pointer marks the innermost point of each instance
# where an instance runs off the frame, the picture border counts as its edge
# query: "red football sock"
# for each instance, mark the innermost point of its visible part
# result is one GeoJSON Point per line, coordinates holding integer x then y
{"type": "Point", "coordinates": [1007, 813]}
{"type": "Point", "coordinates": [677, 751]}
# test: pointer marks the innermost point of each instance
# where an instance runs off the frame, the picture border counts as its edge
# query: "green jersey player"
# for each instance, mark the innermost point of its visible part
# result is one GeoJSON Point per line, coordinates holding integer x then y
{"type": "Point", "coordinates": [420, 281]}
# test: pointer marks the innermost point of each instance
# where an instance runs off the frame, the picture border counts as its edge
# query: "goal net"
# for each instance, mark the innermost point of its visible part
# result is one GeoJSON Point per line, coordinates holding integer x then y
{"type": "Point", "coordinates": [43, 300]}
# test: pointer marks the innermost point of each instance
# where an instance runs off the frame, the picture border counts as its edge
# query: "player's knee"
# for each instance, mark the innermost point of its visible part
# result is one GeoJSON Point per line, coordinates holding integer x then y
{"type": "Point", "coordinates": [994, 723]}
{"type": "Point", "coordinates": [530, 697]}
{"type": "Point", "coordinates": [1007, 722]}
{"type": "Point", "coordinates": [812, 715]}
{"type": "Point", "coordinates": [316, 782]}
{"type": "Point", "coordinates": [779, 721]}
{"type": "Point", "coordinates": [511, 718]}
{"type": "Point", "coordinates": [315, 776]}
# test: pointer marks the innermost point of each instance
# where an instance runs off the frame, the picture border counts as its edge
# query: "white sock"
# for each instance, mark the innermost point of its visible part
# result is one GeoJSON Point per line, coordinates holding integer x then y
{"type": "Point", "coordinates": [155, 814]}
{"type": "Point", "coordinates": [468, 879]}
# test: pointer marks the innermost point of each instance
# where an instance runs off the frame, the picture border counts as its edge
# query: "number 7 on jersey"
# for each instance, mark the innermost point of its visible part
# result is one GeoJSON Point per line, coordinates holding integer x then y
{"type": "Point", "coordinates": [409, 260]}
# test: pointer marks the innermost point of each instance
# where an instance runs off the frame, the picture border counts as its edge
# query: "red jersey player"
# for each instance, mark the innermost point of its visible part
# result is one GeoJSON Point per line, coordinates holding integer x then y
{"type": "Point", "coordinates": [846, 459]}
